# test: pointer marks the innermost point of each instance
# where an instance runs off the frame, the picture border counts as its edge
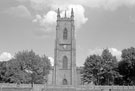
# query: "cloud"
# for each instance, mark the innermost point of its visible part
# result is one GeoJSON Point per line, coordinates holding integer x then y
{"type": "Point", "coordinates": [79, 13]}
{"type": "Point", "coordinates": [49, 7]}
{"type": "Point", "coordinates": [105, 4]}
{"type": "Point", "coordinates": [114, 51]}
{"type": "Point", "coordinates": [96, 51]}
{"type": "Point", "coordinates": [48, 21]}
{"type": "Point", "coordinates": [51, 60]}
{"type": "Point", "coordinates": [22, 1]}
{"type": "Point", "coordinates": [109, 4]}
{"type": "Point", "coordinates": [5, 56]}
{"type": "Point", "coordinates": [19, 11]}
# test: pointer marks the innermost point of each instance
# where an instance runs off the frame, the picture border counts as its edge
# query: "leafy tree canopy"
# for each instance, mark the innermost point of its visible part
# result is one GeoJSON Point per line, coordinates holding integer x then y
{"type": "Point", "coordinates": [27, 67]}
{"type": "Point", "coordinates": [126, 66]}
{"type": "Point", "coordinates": [100, 69]}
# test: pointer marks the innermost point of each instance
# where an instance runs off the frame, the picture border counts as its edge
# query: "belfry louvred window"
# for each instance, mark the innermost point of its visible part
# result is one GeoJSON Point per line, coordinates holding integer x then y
{"type": "Point", "coordinates": [65, 62]}
{"type": "Point", "coordinates": [65, 34]}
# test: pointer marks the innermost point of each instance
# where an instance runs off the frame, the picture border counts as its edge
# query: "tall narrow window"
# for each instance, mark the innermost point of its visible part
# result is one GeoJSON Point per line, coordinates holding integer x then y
{"type": "Point", "coordinates": [65, 62]}
{"type": "Point", "coordinates": [65, 34]}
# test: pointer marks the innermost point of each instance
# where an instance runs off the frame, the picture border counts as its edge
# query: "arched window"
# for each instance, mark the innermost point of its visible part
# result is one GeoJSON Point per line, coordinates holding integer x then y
{"type": "Point", "coordinates": [65, 82]}
{"type": "Point", "coordinates": [65, 34]}
{"type": "Point", "coordinates": [65, 62]}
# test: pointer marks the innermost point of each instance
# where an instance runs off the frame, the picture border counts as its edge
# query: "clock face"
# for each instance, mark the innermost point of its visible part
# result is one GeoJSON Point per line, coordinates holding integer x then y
{"type": "Point", "coordinates": [64, 46]}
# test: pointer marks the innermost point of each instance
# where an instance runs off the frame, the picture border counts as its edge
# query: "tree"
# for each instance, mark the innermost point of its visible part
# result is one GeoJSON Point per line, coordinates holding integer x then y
{"type": "Point", "coordinates": [27, 67]}
{"type": "Point", "coordinates": [46, 67]}
{"type": "Point", "coordinates": [101, 70]}
{"type": "Point", "coordinates": [108, 72]}
{"type": "Point", "coordinates": [91, 69]}
{"type": "Point", "coordinates": [126, 66]}
{"type": "Point", "coordinates": [4, 77]}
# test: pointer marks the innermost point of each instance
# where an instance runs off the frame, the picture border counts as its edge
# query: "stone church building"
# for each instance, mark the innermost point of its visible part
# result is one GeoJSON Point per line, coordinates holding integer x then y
{"type": "Point", "coordinates": [65, 71]}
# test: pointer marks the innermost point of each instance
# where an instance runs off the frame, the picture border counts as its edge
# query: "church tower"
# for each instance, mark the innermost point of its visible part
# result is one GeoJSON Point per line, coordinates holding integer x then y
{"type": "Point", "coordinates": [65, 51]}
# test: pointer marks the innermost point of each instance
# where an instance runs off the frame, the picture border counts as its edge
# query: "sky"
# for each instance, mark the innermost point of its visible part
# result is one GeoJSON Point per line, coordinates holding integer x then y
{"type": "Point", "coordinates": [99, 24]}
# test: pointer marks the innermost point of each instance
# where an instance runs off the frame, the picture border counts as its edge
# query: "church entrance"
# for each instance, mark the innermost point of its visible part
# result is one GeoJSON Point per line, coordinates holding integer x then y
{"type": "Point", "coordinates": [65, 82]}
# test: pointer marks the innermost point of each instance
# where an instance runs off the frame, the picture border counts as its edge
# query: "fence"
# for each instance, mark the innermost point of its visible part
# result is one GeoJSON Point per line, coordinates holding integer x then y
{"type": "Point", "coordinates": [15, 87]}
{"type": "Point", "coordinates": [90, 88]}
{"type": "Point", "coordinates": [41, 87]}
